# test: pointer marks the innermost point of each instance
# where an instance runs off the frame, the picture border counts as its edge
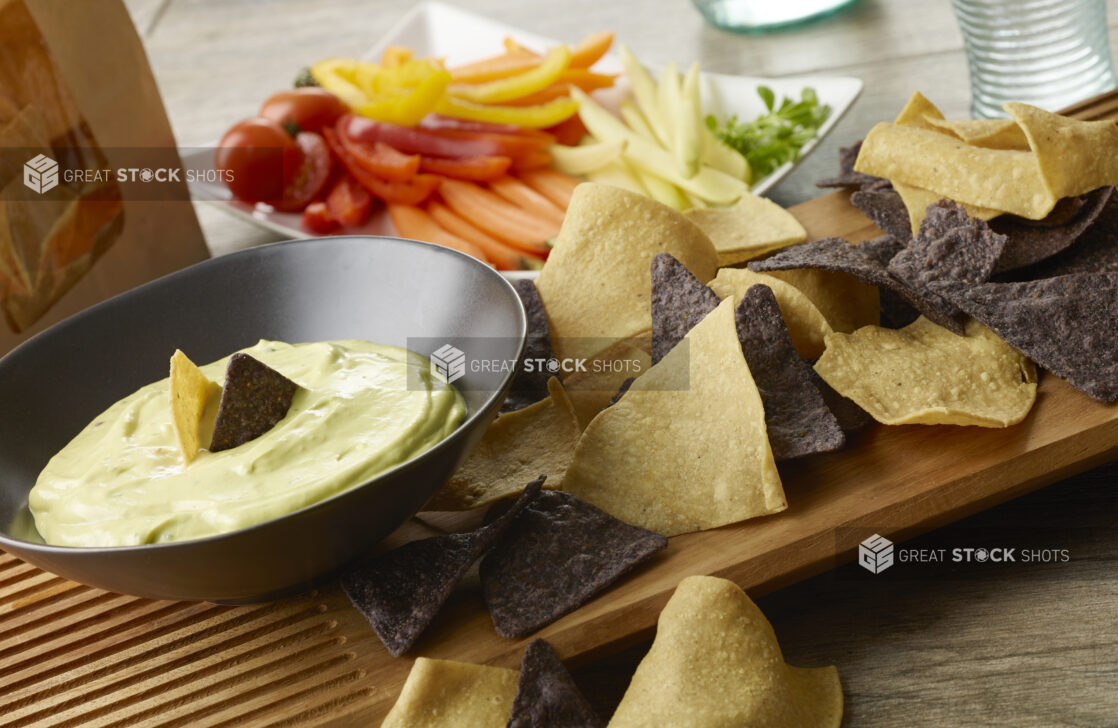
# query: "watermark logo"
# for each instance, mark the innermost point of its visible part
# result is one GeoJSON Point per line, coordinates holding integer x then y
{"type": "Point", "coordinates": [875, 554]}
{"type": "Point", "coordinates": [40, 174]}
{"type": "Point", "coordinates": [448, 363]}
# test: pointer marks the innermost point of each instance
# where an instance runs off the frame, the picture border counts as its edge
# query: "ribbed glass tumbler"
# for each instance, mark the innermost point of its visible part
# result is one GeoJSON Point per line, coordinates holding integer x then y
{"type": "Point", "coordinates": [1049, 53]}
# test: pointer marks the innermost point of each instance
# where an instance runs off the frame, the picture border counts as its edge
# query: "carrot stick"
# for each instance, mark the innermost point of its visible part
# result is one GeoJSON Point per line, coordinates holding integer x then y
{"type": "Point", "coordinates": [527, 198]}
{"type": "Point", "coordinates": [414, 223]}
{"type": "Point", "coordinates": [495, 67]}
{"type": "Point", "coordinates": [498, 217]}
{"type": "Point", "coordinates": [552, 184]}
{"type": "Point", "coordinates": [504, 257]}
{"type": "Point", "coordinates": [591, 49]}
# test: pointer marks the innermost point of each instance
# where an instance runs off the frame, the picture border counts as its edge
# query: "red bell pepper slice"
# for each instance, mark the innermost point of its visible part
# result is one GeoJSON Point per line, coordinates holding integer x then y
{"type": "Point", "coordinates": [438, 122]}
{"type": "Point", "coordinates": [477, 169]}
{"type": "Point", "coordinates": [382, 160]}
{"type": "Point", "coordinates": [409, 192]}
{"type": "Point", "coordinates": [440, 142]}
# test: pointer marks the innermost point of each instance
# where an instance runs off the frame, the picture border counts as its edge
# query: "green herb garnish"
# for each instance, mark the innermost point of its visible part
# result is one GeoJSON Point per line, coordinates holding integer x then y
{"type": "Point", "coordinates": [774, 138]}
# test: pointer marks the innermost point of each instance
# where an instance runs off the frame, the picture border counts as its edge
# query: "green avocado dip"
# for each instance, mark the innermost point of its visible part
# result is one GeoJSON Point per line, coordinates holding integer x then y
{"type": "Point", "coordinates": [122, 480]}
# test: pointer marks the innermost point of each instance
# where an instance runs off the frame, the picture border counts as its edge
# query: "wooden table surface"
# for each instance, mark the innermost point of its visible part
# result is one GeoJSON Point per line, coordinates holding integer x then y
{"type": "Point", "coordinates": [972, 646]}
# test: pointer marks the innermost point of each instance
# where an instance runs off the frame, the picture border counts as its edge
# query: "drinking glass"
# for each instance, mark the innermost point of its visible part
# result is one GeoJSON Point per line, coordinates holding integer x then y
{"type": "Point", "coordinates": [748, 16]}
{"type": "Point", "coordinates": [1048, 53]}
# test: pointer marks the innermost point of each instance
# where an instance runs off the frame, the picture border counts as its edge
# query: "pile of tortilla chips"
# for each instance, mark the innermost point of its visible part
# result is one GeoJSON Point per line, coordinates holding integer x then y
{"type": "Point", "coordinates": [1012, 222]}
{"type": "Point", "coordinates": [715, 662]}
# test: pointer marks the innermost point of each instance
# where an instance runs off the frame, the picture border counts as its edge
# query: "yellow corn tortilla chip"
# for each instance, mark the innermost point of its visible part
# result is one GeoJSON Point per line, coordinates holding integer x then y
{"type": "Point", "coordinates": [516, 449]}
{"type": "Point", "coordinates": [596, 283]}
{"type": "Point", "coordinates": [1000, 179]}
{"type": "Point", "coordinates": [190, 392]}
{"type": "Point", "coordinates": [917, 200]}
{"type": "Point", "coordinates": [1075, 157]}
{"type": "Point", "coordinates": [686, 448]}
{"type": "Point", "coordinates": [447, 694]}
{"type": "Point", "coordinates": [846, 303]}
{"type": "Point", "coordinates": [989, 133]}
{"type": "Point", "coordinates": [716, 663]}
{"type": "Point", "coordinates": [806, 324]}
{"type": "Point", "coordinates": [591, 390]}
{"type": "Point", "coordinates": [748, 229]}
{"type": "Point", "coordinates": [924, 374]}
{"type": "Point", "coordinates": [919, 112]}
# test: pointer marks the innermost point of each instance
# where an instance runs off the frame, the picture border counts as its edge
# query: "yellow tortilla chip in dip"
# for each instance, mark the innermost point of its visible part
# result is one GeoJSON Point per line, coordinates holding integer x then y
{"type": "Point", "coordinates": [447, 694]}
{"type": "Point", "coordinates": [806, 324]}
{"type": "Point", "coordinates": [685, 449]}
{"type": "Point", "coordinates": [715, 663]}
{"type": "Point", "coordinates": [516, 449]}
{"type": "Point", "coordinates": [190, 392]}
{"type": "Point", "coordinates": [846, 303]}
{"type": "Point", "coordinates": [750, 228]}
{"type": "Point", "coordinates": [596, 283]}
{"type": "Point", "coordinates": [924, 374]}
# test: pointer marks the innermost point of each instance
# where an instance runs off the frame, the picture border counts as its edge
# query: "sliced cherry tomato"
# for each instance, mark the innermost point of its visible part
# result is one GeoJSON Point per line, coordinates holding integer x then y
{"type": "Point", "coordinates": [478, 169]}
{"type": "Point", "coordinates": [409, 192]}
{"type": "Point", "coordinates": [310, 108]}
{"type": "Point", "coordinates": [348, 202]}
{"type": "Point", "coordinates": [311, 177]}
{"type": "Point", "coordinates": [382, 160]}
{"type": "Point", "coordinates": [318, 220]}
{"type": "Point", "coordinates": [441, 142]}
{"type": "Point", "coordinates": [259, 159]}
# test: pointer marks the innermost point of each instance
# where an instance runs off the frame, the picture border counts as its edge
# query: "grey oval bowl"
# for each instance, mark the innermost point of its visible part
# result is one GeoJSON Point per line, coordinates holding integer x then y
{"type": "Point", "coordinates": [385, 290]}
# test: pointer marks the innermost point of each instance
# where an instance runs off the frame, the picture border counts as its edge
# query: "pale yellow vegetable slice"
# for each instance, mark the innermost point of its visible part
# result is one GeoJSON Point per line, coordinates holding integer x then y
{"type": "Point", "coordinates": [644, 90]}
{"type": "Point", "coordinates": [688, 138]}
{"type": "Point", "coordinates": [585, 158]}
{"type": "Point", "coordinates": [712, 185]}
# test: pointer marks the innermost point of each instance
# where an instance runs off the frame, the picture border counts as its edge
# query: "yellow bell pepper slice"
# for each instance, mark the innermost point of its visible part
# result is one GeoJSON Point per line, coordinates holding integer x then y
{"type": "Point", "coordinates": [522, 84]}
{"type": "Point", "coordinates": [531, 117]}
{"type": "Point", "coordinates": [403, 94]}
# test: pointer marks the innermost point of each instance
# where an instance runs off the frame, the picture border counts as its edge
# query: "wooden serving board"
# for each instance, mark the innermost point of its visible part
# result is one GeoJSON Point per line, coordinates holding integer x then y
{"type": "Point", "coordinates": [71, 655]}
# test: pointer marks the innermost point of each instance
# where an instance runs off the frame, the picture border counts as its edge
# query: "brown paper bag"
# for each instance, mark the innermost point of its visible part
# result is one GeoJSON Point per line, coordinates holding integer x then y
{"type": "Point", "coordinates": [78, 103]}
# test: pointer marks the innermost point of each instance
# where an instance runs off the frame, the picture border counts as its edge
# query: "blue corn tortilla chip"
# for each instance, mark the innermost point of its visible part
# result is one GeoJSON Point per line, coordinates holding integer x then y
{"type": "Point", "coordinates": [546, 696]}
{"type": "Point", "coordinates": [530, 385]}
{"type": "Point", "coordinates": [836, 254]}
{"type": "Point", "coordinates": [679, 301]}
{"type": "Point", "coordinates": [559, 553]}
{"type": "Point", "coordinates": [850, 179]}
{"type": "Point", "coordinates": [401, 591]}
{"type": "Point", "coordinates": [798, 421]}
{"type": "Point", "coordinates": [1030, 242]}
{"type": "Point", "coordinates": [254, 398]}
{"type": "Point", "coordinates": [950, 245]}
{"type": "Point", "coordinates": [1066, 324]}
{"type": "Point", "coordinates": [886, 209]}
{"type": "Point", "coordinates": [848, 414]}
{"type": "Point", "coordinates": [1095, 251]}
